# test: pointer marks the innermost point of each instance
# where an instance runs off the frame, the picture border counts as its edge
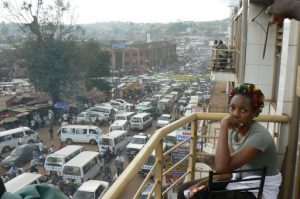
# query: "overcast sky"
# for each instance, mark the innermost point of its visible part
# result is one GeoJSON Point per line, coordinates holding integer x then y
{"type": "Point", "coordinates": [90, 11]}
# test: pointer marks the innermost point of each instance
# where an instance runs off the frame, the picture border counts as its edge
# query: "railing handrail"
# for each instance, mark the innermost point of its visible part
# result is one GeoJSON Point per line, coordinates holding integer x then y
{"type": "Point", "coordinates": [132, 169]}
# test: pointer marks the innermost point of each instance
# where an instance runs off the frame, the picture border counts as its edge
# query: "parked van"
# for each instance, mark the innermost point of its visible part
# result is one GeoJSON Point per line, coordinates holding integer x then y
{"type": "Point", "coordinates": [80, 133]}
{"type": "Point", "coordinates": [10, 138]}
{"type": "Point", "coordinates": [107, 110]}
{"type": "Point", "coordinates": [92, 189]}
{"type": "Point", "coordinates": [124, 116]}
{"type": "Point", "coordinates": [116, 141]}
{"type": "Point", "coordinates": [141, 121]}
{"type": "Point", "coordinates": [158, 97]}
{"type": "Point", "coordinates": [119, 125]}
{"type": "Point", "coordinates": [23, 180]}
{"type": "Point", "coordinates": [176, 95]}
{"type": "Point", "coordinates": [163, 104]}
{"type": "Point", "coordinates": [170, 97]}
{"type": "Point", "coordinates": [83, 167]}
{"type": "Point", "coordinates": [56, 160]}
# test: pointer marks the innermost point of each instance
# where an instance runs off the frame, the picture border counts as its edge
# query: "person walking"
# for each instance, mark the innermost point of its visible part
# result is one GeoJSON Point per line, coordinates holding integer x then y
{"type": "Point", "coordinates": [119, 162]}
{"type": "Point", "coordinates": [41, 147]}
{"type": "Point", "coordinates": [51, 132]}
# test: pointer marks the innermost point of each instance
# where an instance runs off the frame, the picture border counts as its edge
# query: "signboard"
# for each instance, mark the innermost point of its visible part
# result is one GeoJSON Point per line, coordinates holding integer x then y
{"type": "Point", "coordinates": [178, 154]}
{"type": "Point", "coordinates": [183, 134]}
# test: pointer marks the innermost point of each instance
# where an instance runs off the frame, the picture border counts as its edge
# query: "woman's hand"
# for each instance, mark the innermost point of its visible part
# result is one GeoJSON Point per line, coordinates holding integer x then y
{"type": "Point", "coordinates": [231, 122]}
{"type": "Point", "coordinates": [282, 9]}
{"type": "Point", "coordinates": [195, 188]}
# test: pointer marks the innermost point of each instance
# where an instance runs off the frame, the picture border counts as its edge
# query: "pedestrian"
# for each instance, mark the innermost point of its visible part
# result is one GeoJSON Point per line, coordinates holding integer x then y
{"type": "Point", "coordinates": [116, 176]}
{"type": "Point", "coordinates": [62, 145]}
{"type": "Point", "coordinates": [51, 116]}
{"type": "Point", "coordinates": [51, 149]}
{"type": "Point", "coordinates": [41, 146]}
{"type": "Point", "coordinates": [51, 132]}
{"type": "Point", "coordinates": [97, 121]}
{"type": "Point", "coordinates": [35, 154]}
{"type": "Point", "coordinates": [64, 123]}
{"type": "Point", "coordinates": [18, 145]}
{"type": "Point", "coordinates": [5, 178]}
{"type": "Point", "coordinates": [33, 124]}
{"type": "Point", "coordinates": [54, 178]}
{"type": "Point", "coordinates": [13, 171]}
{"type": "Point", "coordinates": [33, 169]}
{"type": "Point", "coordinates": [65, 117]}
{"type": "Point", "coordinates": [181, 109]}
{"type": "Point", "coordinates": [119, 162]}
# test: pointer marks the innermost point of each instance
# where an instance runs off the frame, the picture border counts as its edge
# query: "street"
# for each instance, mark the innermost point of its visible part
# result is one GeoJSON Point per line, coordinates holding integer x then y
{"type": "Point", "coordinates": [132, 187]}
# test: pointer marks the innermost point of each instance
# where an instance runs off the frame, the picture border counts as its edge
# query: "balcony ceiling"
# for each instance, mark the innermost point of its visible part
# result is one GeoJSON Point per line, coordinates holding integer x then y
{"type": "Point", "coordinates": [265, 2]}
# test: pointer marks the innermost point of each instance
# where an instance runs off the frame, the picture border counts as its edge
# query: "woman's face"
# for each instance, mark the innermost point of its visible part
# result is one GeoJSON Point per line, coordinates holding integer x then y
{"type": "Point", "coordinates": [240, 106]}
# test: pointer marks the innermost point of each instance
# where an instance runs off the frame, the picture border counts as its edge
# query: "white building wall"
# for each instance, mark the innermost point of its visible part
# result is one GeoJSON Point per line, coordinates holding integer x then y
{"type": "Point", "coordinates": [258, 70]}
{"type": "Point", "coordinates": [287, 77]}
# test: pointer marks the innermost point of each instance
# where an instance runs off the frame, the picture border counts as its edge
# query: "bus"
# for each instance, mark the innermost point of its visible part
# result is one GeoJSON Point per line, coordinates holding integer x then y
{"type": "Point", "coordinates": [23, 180]}
{"type": "Point", "coordinates": [83, 167]}
{"type": "Point", "coordinates": [56, 160]}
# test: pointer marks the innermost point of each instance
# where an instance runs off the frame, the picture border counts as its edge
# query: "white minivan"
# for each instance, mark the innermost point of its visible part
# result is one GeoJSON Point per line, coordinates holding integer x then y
{"type": "Point", "coordinates": [141, 121]}
{"type": "Point", "coordinates": [119, 125]}
{"type": "Point", "coordinates": [83, 167]}
{"type": "Point", "coordinates": [80, 133]}
{"type": "Point", "coordinates": [115, 141]}
{"type": "Point", "coordinates": [23, 180]}
{"type": "Point", "coordinates": [56, 160]}
{"type": "Point", "coordinates": [92, 189]}
{"type": "Point", "coordinates": [124, 116]}
{"type": "Point", "coordinates": [10, 138]}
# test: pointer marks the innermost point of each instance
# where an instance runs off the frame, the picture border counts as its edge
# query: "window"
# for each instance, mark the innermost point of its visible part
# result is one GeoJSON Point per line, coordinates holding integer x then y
{"type": "Point", "coordinates": [17, 135]}
{"type": "Point", "coordinates": [99, 191]}
{"type": "Point", "coordinates": [113, 128]}
{"type": "Point", "coordinates": [86, 168]}
{"type": "Point", "coordinates": [135, 119]}
{"type": "Point", "coordinates": [93, 131]}
{"type": "Point", "coordinates": [5, 138]}
{"type": "Point", "coordinates": [81, 131]}
{"type": "Point", "coordinates": [70, 170]}
{"type": "Point", "coordinates": [105, 141]}
{"type": "Point", "coordinates": [68, 130]}
{"type": "Point", "coordinates": [29, 132]}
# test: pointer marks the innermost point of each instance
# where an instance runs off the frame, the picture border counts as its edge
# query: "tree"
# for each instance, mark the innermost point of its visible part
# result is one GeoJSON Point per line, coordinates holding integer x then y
{"type": "Point", "coordinates": [47, 45]}
{"type": "Point", "coordinates": [96, 63]}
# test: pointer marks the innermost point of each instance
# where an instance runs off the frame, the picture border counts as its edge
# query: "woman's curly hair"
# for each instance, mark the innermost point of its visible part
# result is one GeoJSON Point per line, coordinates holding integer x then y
{"type": "Point", "coordinates": [254, 94]}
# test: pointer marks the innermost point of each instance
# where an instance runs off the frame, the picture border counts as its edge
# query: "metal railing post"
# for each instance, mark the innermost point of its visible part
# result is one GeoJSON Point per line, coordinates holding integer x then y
{"type": "Point", "coordinates": [159, 171]}
{"type": "Point", "coordinates": [193, 148]}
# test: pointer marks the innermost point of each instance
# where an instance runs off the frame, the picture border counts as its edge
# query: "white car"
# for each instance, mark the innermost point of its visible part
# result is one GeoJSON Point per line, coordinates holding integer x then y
{"type": "Point", "coordinates": [92, 189]}
{"type": "Point", "coordinates": [117, 105]}
{"type": "Point", "coordinates": [164, 120]}
{"type": "Point", "coordinates": [90, 117]}
{"type": "Point", "coordinates": [127, 105]}
{"type": "Point", "coordinates": [137, 143]}
{"type": "Point", "coordinates": [80, 117]}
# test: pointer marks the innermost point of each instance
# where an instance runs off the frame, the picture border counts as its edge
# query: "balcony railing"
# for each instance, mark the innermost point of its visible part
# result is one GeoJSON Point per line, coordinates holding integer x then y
{"type": "Point", "coordinates": [156, 144]}
{"type": "Point", "coordinates": [225, 59]}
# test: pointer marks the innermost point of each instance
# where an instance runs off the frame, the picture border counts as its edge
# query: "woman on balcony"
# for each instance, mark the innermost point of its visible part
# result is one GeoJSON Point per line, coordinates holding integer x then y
{"type": "Point", "coordinates": [243, 144]}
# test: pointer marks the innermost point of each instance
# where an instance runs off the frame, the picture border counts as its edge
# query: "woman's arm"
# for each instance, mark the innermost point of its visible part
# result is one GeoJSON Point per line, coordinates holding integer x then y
{"type": "Point", "coordinates": [224, 160]}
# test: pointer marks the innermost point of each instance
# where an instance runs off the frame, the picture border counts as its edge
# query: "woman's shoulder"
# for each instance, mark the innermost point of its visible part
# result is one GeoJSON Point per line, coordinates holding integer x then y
{"type": "Point", "coordinates": [258, 128]}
